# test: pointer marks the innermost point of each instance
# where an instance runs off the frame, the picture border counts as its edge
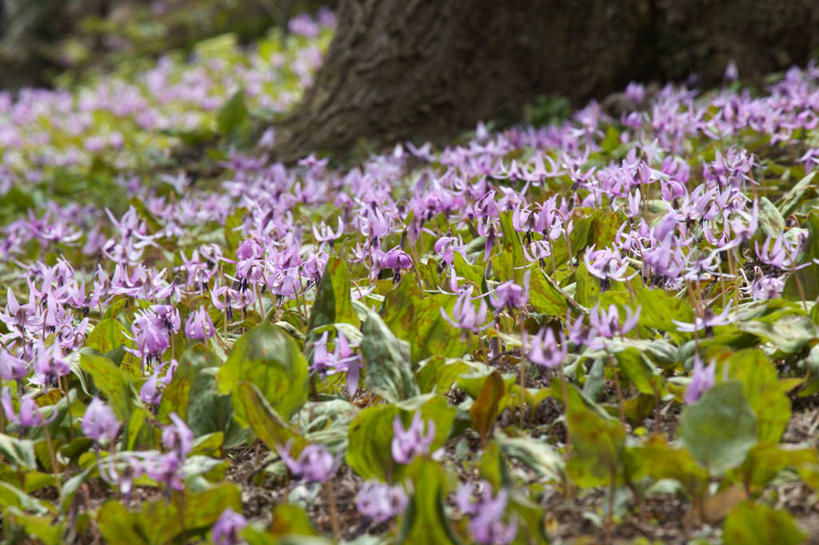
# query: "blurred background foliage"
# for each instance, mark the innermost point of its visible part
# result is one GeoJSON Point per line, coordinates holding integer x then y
{"type": "Point", "coordinates": [61, 42]}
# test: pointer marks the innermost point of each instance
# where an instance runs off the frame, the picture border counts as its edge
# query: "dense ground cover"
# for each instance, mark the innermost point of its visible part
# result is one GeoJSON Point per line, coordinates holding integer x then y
{"type": "Point", "coordinates": [601, 330]}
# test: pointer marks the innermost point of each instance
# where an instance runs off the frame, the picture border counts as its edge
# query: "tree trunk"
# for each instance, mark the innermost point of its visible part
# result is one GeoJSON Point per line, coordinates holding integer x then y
{"type": "Point", "coordinates": [422, 70]}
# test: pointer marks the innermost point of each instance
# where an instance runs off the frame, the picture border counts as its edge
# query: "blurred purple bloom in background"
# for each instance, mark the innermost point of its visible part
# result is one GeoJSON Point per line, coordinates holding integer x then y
{"type": "Point", "coordinates": [99, 422]}
{"type": "Point", "coordinates": [702, 378]}
{"type": "Point", "coordinates": [314, 464]}
{"type": "Point", "coordinates": [226, 529]}
{"type": "Point", "coordinates": [381, 502]}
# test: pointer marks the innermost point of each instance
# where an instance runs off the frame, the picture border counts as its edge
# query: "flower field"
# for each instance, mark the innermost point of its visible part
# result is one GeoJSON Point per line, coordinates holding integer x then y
{"type": "Point", "coordinates": [602, 330]}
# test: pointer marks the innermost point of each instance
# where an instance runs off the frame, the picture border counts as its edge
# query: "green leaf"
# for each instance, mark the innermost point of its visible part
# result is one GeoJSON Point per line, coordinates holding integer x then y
{"type": "Point", "coordinates": [107, 335]}
{"type": "Point", "coordinates": [757, 524]}
{"type": "Point", "coordinates": [639, 371]}
{"type": "Point", "coordinates": [812, 377]}
{"type": "Point", "coordinates": [760, 386]}
{"type": "Point", "coordinates": [658, 309]}
{"type": "Point", "coordinates": [234, 117]}
{"type": "Point", "coordinates": [10, 495]}
{"type": "Point", "coordinates": [416, 316]}
{"type": "Point", "coordinates": [118, 525]}
{"type": "Point", "coordinates": [202, 509]}
{"type": "Point", "coordinates": [588, 286]}
{"type": "Point", "coordinates": [425, 520]}
{"type": "Point", "coordinates": [269, 358]}
{"type": "Point", "coordinates": [508, 264]}
{"type": "Point", "coordinates": [18, 452]}
{"type": "Point", "coordinates": [438, 374]}
{"type": "Point", "coordinates": [333, 301]}
{"type": "Point", "coordinates": [290, 519]}
{"type": "Point", "coordinates": [789, 333]}
{"type": "Point", "coordinates": [808, 278]}
{"type": "Point", "coordinates": [720, 428]}
{"type": "Point", "coordinates": [327, 422]}
{"type": "Point", "coordinates": [232, 230]}
{"type": "Point", "coordinates": [263, 419]}
{"type": "Point", "coordinates": [370, 437]}
{"type": "Point", "coordinates": [467, 271]}
{"type": "Point", "coordinates": [139, 432]}
{"type": "Point", "coordinates": [387, 358]}
{"type": "Point", "coordinates": [771, 221]}
{"type": "Point", "coordinates": [657, 460]}
{"type": "Point", "coordinates": [43, 528]}
{"type": "Point", "coordinates": [535, 454]}
{"type": "Point", "coordinates": [604, 226]}
{"type": "Point", "coordinates": [545, 297]}
{"type": "Point", "coordinates": [486, 407]}
{"type": "Point", "coordinates": [110, 380]}
{"type": "Point", "coordinates": [790, 200]}
{"type": "Point", "coordinates": [371, 431]}
{"type": "Point", "coordinates": [158, 521]}
{"type": "Point", "coordinates": [194, 396]}
{"type": "Point", "coordinates": [597, 444]}
{"type": "Point", "coordinates": [766, 460]}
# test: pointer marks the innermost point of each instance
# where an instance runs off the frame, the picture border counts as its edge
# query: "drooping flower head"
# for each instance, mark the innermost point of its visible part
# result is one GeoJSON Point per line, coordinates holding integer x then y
{"type": "Point", "coordinates": [546, 350]}
{"type": "Point", "coordinates": [464, 314]}
{"type": "Point", "coordinates": [199, 325]}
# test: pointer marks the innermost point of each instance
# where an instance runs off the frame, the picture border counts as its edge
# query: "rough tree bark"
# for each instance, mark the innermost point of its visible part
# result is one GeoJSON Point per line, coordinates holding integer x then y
{"type": "Point", "coordinates": [423, 69]}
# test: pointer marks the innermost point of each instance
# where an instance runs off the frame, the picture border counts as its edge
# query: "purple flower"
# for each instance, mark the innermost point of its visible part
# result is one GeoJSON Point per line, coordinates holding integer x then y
{"type": "Point", "coordinates": [168, 317]}
{"type": "Point", "coordinates": [464, 314]}
{"type": "Point", "coordinates": [99, 422]}
{"type": "Point", "coordinates": [767, 287]}
{"type": "Point", "coordinates": [396, 258]}
{"type": "Point", "coordinates": [199, 325]}
{"type": "Point", "coordinates": [325, 234]}
{"type": "Point", "coordinates": [606, 324]}
{"type": "Point", "coordinates": [546, 351]}
{"type": "Point", "coordinates": [28, 415]}
{"type": "Point", "coordinates": [486, 514]}
{"type": "Point", "coordinates": [605, 264]}
{"type": "Point", "coordinates": [707, 321]}
{"type": "Point", "coordinates": [780, 255]}
{"type": "Point", "coordinates": [702, 378]}
{"type": "Point", "coordinates": [150, 335]}
{"type": "Point", "coordinates": [165, 469]}
{"type": "Point", "coordinates": [177, 437]}
{"type": "Point", "coordinates": [48, 364]}
{"type": "Point", "coordinates": [314, 464]}
{"type": "Point", "coordinates": [150, 393]}
{"type": "Point", "coordinates": [125, 480]}
{"type": "Point", "coordinates": [380, 502]}
{"type": "Point", "coordinates": [446, 248]}
{"type": "Point", "coordinates": [810, 158]}
{"type": "Point", "coordinates": [635, 92]}
{"type": "Point", "coordinates": [342, 359]}
{"type": "Point", "coordinates": [226, 530]}
{"type": "Point", "coordinates": [406, 444]}
{"type": "Point", "coordinates": [11, 367]}
{"type": "Point", "coordinates": [511, 295]}
{"type": "Point", "coordinates": [578, 332]}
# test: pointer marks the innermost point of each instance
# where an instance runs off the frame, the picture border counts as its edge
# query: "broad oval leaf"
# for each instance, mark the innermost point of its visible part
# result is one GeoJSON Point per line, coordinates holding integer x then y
{"type": "Point", "coordinates": [387, 358]}
{"type": "Point", "coordinates": [720, 428]}
{"type": "Point", "coordinates": [269, 358]}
